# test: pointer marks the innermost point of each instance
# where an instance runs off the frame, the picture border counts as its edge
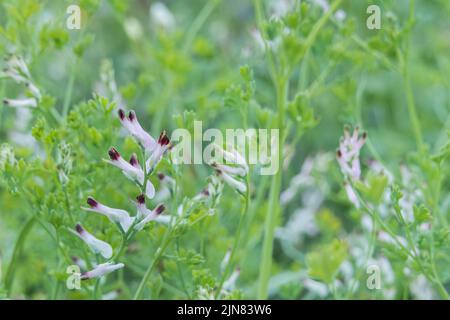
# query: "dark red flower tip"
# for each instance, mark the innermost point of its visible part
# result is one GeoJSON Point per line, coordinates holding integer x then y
{"type": "Point", "coordinates": [121, 114]}
{"type": "Point", "coordinates": [160, 209]}
{"type": "Point", "coordinates": [133, 160]}
{"type": "Point", "coordinates": [113, 154]}
{"type": "Point", "coordinates": [84, 276]}
{"type": "Point", "coordinates": [339, 153]}
{"type": "Point", "coordinates": [92, 202]}
{"type": "Point", "coordinates": [140, 199]}
{"type": "Point", "coordinates": [161, 176]}
{"type": "Point", "coordinates": [74, 259]}
{"type": "Point", "coordinates": [131, 115]}
{"type": "Point", "coordinates": [79, 228]}
{"type": "Point", "coordinates": [163, 139]}
{"type": "Point", "coordinates": [364, 135]}
{"type": "Point", "coordinates": [205, 192]}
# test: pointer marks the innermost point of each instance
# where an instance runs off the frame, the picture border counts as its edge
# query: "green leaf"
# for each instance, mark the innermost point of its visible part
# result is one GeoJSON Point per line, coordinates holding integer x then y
{"type": "Point", "coordinates": [324, 263]}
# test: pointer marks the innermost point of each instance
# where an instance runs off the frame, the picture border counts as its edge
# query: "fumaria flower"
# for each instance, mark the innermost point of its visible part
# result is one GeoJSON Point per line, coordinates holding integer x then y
{"type": "Point", "coordinates": [96, 245]}
{"type": "Point", "coordinates": [17, 70]}
{"type": "Point", "coordinates": [161, 147]}
{"type": "Point", "coordinates": [348, 153]}
{"type": "Point", "coordinates": [231, 167]}
{"type": "Point", "coordinates": [21, 103]}
{"type": "Point", "coordinates": [101, 270]}
{"type": "Point", "coordinates": [146, 215]}
{"type": "Point", "coordinates": [133, 126]}
{"type": "Point", "coordinates": [114, 215]}
{"type": "Point", "coordinates": [131, 169]}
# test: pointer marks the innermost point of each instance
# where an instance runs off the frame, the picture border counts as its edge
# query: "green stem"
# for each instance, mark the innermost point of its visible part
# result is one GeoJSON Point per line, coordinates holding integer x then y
{"type": "Point", "coordinates": [69, 90]}
{"type": "Point", "coordinates": [152, 265]}
{"type": "Point", "coordinates": [9, 277]}
{"type": "Point", "coordinates": [273, 207]}
{"type": "Point", "coordinates": [199, 21]}
{"type": "Point", "coordinates": [236, 240]}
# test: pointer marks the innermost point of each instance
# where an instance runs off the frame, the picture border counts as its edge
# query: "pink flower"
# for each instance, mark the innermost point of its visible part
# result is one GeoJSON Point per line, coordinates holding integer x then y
{"type": "Point", "coordinates": [348, 153]}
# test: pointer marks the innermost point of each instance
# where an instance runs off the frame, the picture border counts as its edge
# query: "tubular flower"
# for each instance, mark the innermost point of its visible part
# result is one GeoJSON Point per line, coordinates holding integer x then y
{"type": "Point", "coordinates": [232, 182]}
{"type": "Point", "coordinates": [131, 169]}
{"type": "Point", "coordinates": [146, 215]}
{"type": "Point", "coordinates": [234, 169]}
{"type": "Point", "coordinates": [20, 103]}
{"type": "Point", "coordinates": [114, 215]}
{"type": "Point", "coordinates": [17, 70]}
{"type": "Point", "coordinates": [133, 126]}
{"type": "Point", "coordinates": [101, 270]}
{"type": "Point", "coordinates": [96, 245]}
{"type": "Point", "coordinates": [352, 197]}
{"type": "Point", "coordinates": [166, 186]}
{"type": "Point", "coordinates": [348, 153]}
{"type": "Point", "coordinates": [230, 283]}
{"type": "Point", "coordinates": [161, 148]}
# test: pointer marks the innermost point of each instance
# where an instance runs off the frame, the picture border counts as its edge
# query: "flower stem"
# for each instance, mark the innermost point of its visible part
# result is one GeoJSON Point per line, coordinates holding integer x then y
{"type": "Point", "coordinates": [9, 277]}
{"type": "Point", "coordinates": [273, 207]}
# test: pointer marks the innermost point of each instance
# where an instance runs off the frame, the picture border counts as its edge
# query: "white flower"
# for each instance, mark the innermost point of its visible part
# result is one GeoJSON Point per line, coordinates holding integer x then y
{"type": "Point", "coordinates": [7, 156]}
{"type": "Point", "coordinates": [34, 90]}
{"type": "Point", "coordinates": [230, 283]}
{"type": "Point", "coordinates": [166, 185]}
{"type": "Point", "coordinates": [112, 295]}
{"type": "Point", "coordinates": [352, 197]}
{"type": "Point", "coordinates": [235, 168]}
{"type": "Point", "coordinates": [17, 70]}
{"type": "Point", "coordinates": [225, 261]}
{"type": "Point", "coordinates": [232, 182]}
{"type": "Point", "coordinates": [133, 28]}
{"type": "Point", "coordinates": [348, 153]}
{"type": "Point", "coordinates": [236, 171]}
{"type": "Point", "coordinates": [421, 288]}
{"type": "Point", "coordinates": [96, 245]}
{"type": "Point", "coordinates": [17, 64]}
{"type": "Point", "coordinates": [133, 126]}
{"type": "Point", "coordinates": [101, 270]}
{"type": "Point", "coordinates": [318, 288]}
{"type": "Point", "coordinates": [231, 157]}
{"type": "Point", "coordinates": [162, 16]}
{"type": "Point", "coordinates": [146, 215]}
{"type": "Point", "coordinates": [161, 147]}
{"type": "Point", "coordinates": [79, 262]}
{"type": "Point", "coordinates": [114, 215]}
{"type": "Point", "coordinates": [20, 103]}
{"type": "Point", "coordinates": [131, 169]}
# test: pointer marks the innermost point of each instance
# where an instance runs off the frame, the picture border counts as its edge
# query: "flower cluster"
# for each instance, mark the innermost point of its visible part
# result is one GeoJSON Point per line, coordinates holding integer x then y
{"type": "Point", "coordinates": [348, 153]}
{"type": "Point", "coordinates": [233, 170]}
{"type": "Point", "coordinates": [348, 158]}
{"type": "Point", "coordinates": [17, 70]}
{"type": "Point", "coordinates": [127, 224]}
